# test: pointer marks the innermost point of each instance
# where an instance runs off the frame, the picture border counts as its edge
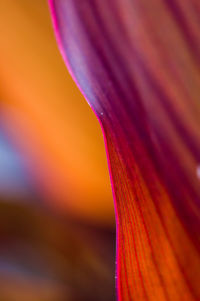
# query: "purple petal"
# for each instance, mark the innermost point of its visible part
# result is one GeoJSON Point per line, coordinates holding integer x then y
{"type": "Point", "coordinates": [137, 63]}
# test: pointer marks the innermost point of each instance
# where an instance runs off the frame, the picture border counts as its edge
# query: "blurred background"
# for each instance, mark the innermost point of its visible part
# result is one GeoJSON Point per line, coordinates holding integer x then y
{"type": "Point", "coordinates": [57, 226]}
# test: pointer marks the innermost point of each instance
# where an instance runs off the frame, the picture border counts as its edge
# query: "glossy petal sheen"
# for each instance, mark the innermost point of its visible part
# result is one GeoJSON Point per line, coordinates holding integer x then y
{"type": "Point", "coordinates": [137, 63]}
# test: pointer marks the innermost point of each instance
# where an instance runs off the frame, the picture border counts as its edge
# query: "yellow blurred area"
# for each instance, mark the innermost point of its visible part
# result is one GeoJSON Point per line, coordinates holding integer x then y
{"type": "Point", "coordinates": [48, 118]}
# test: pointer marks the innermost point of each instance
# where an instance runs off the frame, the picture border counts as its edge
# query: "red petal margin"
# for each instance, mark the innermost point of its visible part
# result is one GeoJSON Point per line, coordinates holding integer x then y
{"type": "Point", "coordinates": [137, 63]}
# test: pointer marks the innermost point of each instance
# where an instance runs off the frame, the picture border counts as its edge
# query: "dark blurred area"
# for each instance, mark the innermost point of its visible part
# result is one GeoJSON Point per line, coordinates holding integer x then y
{"type": "Point", "coordinates": [57, 227]}
{"type": "Point", "coordinates": [48, 257]}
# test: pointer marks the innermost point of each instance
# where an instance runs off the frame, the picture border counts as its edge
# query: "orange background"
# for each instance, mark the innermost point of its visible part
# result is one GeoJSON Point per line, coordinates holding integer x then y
{"type": "Point", "coordinates": [47, 117]}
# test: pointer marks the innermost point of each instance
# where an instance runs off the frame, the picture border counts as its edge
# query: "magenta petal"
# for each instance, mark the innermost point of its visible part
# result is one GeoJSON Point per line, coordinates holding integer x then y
{"type": "Point", "coordinates": [137, 63]}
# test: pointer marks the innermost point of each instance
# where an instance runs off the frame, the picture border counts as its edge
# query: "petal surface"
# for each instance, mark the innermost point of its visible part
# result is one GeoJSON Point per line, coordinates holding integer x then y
{"type": "Point", "coordinates": [137, 63]}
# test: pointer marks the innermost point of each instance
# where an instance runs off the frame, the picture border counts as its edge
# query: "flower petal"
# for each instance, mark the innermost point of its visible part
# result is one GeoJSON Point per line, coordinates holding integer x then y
{"type": "Point", "coordinates": [137, 63]}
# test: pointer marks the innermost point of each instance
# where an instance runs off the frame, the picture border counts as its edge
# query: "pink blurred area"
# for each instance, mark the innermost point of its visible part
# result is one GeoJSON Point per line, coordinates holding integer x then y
{"type": "Point", "coordinates": [56, 211]}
